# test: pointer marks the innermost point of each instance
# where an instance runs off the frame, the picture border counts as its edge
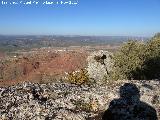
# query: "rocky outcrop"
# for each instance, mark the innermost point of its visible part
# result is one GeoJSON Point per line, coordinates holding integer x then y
{"type": "Point", "coordinates": [100, 64]}
{"type": "Point", "coordinates": [63, 101]}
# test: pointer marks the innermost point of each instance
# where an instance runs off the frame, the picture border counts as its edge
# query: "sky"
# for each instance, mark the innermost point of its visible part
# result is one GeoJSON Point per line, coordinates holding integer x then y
{"type": "Point", "coordinates": [88, 17]}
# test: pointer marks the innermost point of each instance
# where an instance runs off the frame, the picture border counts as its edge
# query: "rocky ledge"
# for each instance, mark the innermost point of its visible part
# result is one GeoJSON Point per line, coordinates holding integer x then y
{"type": "Point", "coordinates": [64, 101]}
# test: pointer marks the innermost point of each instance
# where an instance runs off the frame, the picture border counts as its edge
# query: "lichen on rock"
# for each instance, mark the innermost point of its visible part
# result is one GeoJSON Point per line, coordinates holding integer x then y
{"type": "Point", "coordinates": [100, 64]}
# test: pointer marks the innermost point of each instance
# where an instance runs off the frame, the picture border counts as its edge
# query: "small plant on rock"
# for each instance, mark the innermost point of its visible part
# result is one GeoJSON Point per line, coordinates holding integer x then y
{"type": "Point", "coordinates": [78, 77]}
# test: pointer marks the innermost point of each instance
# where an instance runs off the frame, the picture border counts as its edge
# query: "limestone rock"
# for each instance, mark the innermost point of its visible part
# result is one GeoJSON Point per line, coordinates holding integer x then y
{"type": "Point", "coordinates": [68, 102]}
{"type": "Point", "coordinates": [99, 64]}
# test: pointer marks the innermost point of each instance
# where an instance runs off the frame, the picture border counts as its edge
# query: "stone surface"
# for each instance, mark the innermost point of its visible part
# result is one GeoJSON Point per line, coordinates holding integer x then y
{"type": "Point", "coordinates": [100, 63]}
{"type": "Point", "coordinates": [63, 101]}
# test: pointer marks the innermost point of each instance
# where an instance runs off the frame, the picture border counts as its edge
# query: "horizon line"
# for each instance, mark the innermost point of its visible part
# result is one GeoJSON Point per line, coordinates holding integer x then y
{"type": "Point", "coordinates": [69, 35]}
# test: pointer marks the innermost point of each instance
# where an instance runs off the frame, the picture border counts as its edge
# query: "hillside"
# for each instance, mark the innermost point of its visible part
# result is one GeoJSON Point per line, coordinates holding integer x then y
{"type": "Point", "coordinates": [82, 83]}
{"type": "Point", "coordinates": [41, 66]}
{"type": "Point", "coordinates": [55, 100]}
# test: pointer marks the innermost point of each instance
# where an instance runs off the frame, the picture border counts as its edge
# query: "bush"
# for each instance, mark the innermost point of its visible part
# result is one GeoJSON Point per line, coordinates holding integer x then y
{"type": "Point", "coordinates": [78, 77]}
{"type": "Point", "coordinates": [129, 60]}
{"type": "Point", "coordinates": [82, 106]}
{"type": "Point", "coordinates": [137, 60]}
{"type": "Point", "coordinates": [151, 65]}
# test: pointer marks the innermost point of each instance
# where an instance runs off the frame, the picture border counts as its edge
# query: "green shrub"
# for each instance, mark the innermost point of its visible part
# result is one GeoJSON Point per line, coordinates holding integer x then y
{"type": "Point", "coordinates": [78, 77]}
{"type": "Point", "coordinates": [129, 60]}
{"type": "Point", "coordinates": [82, 106]}
{"type": "Point", "coordinates": [151, 65]}
{"type": "Point", "coordinates": [157, 35]}
{"type": "Point", "coordinates": [137, 60]}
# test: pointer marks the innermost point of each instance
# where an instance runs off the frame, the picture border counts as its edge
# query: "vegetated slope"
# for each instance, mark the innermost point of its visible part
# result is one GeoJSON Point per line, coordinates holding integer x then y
{"type": "Point", "coordinates": [41, 65]}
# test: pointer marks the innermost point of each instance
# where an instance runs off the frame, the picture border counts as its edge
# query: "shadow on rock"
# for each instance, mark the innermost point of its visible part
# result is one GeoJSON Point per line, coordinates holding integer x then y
{"type": "Point", "coordinates": [129, 106]}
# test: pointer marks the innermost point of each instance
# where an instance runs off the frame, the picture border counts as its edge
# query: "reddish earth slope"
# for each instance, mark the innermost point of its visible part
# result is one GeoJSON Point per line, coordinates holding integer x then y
{"type": "Point", "coordinates": [43, 65]}
{"type": "Point", "coordinates": [2, 55]}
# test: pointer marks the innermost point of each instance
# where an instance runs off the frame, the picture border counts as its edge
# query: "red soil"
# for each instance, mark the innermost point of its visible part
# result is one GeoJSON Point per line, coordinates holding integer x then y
{"type": "Point", "coordinates": [2, 55]}
{"type": "Point", "coordinates": [55, 64]}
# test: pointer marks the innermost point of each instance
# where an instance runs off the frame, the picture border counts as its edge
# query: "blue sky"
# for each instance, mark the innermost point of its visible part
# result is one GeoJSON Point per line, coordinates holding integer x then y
{"type": "Point", "coordinates": [88, 17]}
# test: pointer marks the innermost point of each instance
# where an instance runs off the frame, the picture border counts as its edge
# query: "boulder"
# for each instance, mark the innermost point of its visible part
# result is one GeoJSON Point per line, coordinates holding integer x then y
{"type": "Point", "coordinates": [100, 64]}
